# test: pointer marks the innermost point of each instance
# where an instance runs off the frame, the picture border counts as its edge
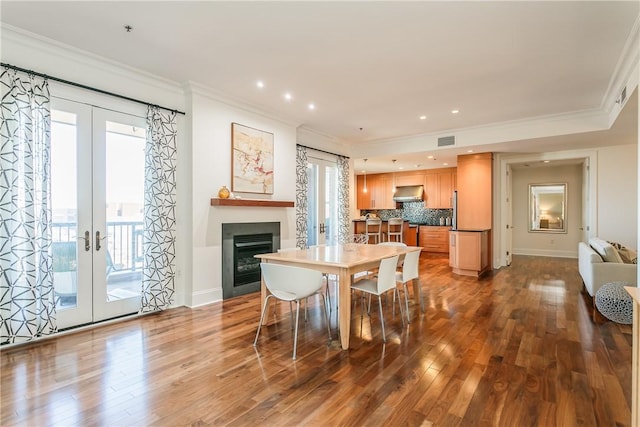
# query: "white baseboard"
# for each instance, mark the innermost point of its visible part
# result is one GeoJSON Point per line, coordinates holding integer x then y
{"type": "Point", "coordinates": [208, 296]}
{"type": "Point", "coordinates": [546, 252]}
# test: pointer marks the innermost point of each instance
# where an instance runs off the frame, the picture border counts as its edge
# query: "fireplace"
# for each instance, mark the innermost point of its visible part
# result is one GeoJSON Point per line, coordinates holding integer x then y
{"type": "Point", "coordinates": [240, 242]}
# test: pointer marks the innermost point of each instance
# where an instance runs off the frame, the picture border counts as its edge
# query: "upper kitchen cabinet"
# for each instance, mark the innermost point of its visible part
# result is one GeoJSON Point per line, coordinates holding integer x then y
{"type": "Point", "coordinates": [406, 179]}
{"type": "Point", "coordinates": [439, 185]}
{"type": "Point", "coordinates": [379, 194]}
{"type": "Point", "coordinates": [475, 191]}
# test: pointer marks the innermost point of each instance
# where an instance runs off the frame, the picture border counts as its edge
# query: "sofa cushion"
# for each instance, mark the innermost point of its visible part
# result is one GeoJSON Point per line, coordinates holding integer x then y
{"type": "Point", "coordinates": [628, 256]}
{"type": "Point", "coordinates": [605, 250]}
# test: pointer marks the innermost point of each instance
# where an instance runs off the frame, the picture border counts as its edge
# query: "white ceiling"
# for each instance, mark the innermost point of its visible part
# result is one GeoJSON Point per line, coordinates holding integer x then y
{"type": "Point", "coordinates": [371, 65]}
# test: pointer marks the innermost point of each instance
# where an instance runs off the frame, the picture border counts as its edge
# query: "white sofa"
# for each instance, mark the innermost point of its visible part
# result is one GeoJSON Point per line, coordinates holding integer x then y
{"type": "Point", "coordinates": [599, 263]}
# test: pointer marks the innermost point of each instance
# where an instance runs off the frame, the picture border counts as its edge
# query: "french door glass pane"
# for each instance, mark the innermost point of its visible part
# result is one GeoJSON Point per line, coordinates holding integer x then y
{"type": "Point", "coordinates": [64, 208]}
{"type": "Point", "coordinates": [124, 182]}
{"type": "Point", "coordinates": [331, 205]}
{"type": "Point", "coordinates": [312, 204]}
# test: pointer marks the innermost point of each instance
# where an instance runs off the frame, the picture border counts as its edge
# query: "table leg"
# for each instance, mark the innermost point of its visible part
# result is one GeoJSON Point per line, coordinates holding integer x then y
{"type": "Point", "coordinates": [345, 308]}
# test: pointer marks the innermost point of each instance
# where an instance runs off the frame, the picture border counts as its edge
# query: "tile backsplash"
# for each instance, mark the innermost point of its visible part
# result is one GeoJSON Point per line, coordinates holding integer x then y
{"type": "Point", "coordinates": [414, 212]}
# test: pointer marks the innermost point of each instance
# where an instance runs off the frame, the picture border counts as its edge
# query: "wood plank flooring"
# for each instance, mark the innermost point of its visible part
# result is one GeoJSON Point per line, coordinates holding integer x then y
{"type": "Point", "coordinates": [517, 348]}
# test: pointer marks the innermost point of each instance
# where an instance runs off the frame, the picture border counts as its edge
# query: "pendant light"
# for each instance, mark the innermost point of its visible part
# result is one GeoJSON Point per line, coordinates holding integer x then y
{"type": "Point", "coordinates": [364, 190]}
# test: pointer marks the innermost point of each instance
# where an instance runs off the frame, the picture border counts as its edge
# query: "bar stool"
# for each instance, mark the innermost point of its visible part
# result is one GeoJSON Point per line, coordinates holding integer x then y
{"type": "Point", "coordinates": [373, 228]}
{"type": "Point", "coordinates": [394, 229]}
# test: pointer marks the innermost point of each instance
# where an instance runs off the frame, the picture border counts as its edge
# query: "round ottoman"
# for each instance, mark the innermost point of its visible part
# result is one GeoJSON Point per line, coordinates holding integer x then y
{"type": "Point", "coordinates": [615, 303]}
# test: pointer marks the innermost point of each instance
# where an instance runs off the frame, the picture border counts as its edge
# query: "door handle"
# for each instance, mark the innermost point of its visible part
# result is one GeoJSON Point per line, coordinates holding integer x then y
{"type": "Point", "coordinates": [322, 229]}
{"type": "Point", "coordinates": [87, 241]}
{"type": "Point", "coordinates": [98, 239]}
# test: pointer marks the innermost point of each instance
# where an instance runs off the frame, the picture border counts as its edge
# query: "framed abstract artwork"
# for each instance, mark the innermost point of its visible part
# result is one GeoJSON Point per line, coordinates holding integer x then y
{"type": "Point", "coordinates": [252, 160]}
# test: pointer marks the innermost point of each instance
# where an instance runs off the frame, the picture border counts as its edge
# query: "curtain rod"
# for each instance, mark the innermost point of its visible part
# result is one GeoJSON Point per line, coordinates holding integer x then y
{"type": "Point", "coordinates": [104, 92]}
{"type": "Point", "coordinates": [323, 151]}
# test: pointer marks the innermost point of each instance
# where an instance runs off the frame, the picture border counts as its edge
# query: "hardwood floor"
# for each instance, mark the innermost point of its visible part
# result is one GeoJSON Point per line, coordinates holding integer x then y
{"type": "Point", "coordinates": [517, 348]}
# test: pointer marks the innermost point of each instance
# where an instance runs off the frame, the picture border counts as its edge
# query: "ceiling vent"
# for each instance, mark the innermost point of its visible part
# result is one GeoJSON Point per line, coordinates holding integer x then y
{"type": "Point", "coordinates": [445, 141]}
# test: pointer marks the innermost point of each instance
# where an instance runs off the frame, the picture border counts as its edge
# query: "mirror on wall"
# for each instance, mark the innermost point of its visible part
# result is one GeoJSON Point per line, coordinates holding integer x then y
{"type": "Point", "coordinates": [548, 208]}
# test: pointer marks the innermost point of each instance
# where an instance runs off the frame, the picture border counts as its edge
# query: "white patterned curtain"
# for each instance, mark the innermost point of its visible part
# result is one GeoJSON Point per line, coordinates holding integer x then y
{"type": "Point", "coordinates": [158, 285]}
{"type": "Point", "coordinates": [344, 224]}
{"type": "Point", "coordinates": [302, 188]}
{"type": "Point", "coordinates": [27, 303]}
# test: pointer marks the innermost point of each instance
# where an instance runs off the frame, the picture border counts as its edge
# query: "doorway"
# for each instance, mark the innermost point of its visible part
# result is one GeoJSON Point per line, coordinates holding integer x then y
{"type": "Point", "coordinates": [97, 199]}
{"type": "Point", "coordinates": [513, 204]}
{"type": "Point", "coordinates": [322, 201]}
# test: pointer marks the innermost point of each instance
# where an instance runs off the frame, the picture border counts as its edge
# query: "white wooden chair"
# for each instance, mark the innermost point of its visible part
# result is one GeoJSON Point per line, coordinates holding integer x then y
{"type": "Point", "coordinates": [410, 272]}
{"type": "Point", "coordinates": [384, 282]}
{"type": "Point", "coordinates": [290, 283]}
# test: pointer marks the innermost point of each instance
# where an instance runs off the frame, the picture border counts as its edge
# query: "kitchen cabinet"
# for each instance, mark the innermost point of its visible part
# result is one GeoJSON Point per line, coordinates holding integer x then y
{"type": "Point", "coordinates": [439, 185]}
{"type": "Point", "coordinates": [403, 180]}
{"type": "Point", "coordinates": [446, 186]}
{"type": "Point", "coordinates": [474, 183]}
{"type": "Point", "coordinates": [469, 252]}
{"type": "Point", "coordinates": [434, 239]}
{"type": "Point", "coordinates": [379, 194]}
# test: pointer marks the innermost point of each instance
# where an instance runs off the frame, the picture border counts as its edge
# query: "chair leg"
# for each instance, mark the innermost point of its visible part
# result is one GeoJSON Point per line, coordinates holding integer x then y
{"type": "Point", "coordinates": [291, 313]}
{"type": "Point", "coordinates": [328, 291]}
{"type": "Point", "coordinates": [361, 311]}
{"type": "Point", "coordinates": [295, 334]}
{"type": "Point", "coordinates": [384, 337]}
{"type": "Point", "coordinates": [406, 300]}
{"type": "Point", "coordinates": [396, 290]}
{"type": "Point", "coordinates": [264, 308]}
{"type": "Point", "coordinates": [420, 292]}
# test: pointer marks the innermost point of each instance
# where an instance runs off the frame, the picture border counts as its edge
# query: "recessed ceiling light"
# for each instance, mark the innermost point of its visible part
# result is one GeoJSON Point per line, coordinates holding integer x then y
{"type": "Point", "coordinates": [455, 111]}
{"type": "Point", "coordinates": [423, 117]}
{"type": "Point", "coordinates": [312, 106]}
{"type": "Point", "coordinates": [400, 167]}
{"type": "Point", "coordinates": [547, 161]}
{"type": "Point", "coordinates": [469, 151]}
{"type": "Point", "coordinates": [445, 164]}
{"type": "Point", "coordinates": [260, 84]}
{"type": "Point", "coordinates": [429, 157]}
{"type": "Point", "coordinates": [288, 96]}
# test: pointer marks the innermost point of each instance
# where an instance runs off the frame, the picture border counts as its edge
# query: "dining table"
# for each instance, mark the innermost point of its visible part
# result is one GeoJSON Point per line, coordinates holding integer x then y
{"type": "Point", "coordinates": [344, 261]}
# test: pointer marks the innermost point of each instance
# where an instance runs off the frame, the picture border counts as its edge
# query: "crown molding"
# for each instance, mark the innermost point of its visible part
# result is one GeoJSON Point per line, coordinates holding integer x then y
{"type": "Point", "coordinates": [625, 73]}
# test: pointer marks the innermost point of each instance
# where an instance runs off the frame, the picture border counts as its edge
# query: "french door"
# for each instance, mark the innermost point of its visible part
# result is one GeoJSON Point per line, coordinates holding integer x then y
{"type": "Point", "coordinates": [322, 202]}
{"type": "Point", "coordinates": [97, 199]}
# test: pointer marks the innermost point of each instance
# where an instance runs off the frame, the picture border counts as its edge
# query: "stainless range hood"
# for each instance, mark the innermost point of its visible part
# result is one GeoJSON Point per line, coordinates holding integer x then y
{"type": "Point", "coordinates": [410, 193]}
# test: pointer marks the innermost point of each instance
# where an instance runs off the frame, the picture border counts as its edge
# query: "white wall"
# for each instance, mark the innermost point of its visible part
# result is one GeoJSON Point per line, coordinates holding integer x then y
{"type": "Point", "coordinates": [542, 243]}
{"type": "Point", "coordinates": [211, 121]}
{"type": "Point", "coordinates": [617, 194]}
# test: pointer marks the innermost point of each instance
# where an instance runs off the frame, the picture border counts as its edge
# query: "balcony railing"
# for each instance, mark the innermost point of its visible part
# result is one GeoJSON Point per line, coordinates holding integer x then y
{"type": "Point", "coordinates": [123, 243]}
